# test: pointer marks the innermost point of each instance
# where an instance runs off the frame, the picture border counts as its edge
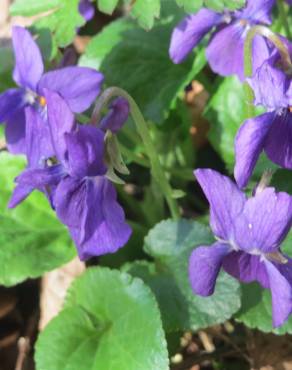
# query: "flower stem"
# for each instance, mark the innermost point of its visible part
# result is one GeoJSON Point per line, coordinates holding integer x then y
{"type": "Point", "coordinates": [283, 17]}
{"type": "Point", "coordinates": [249, 96]}
{"type": "Point", "coordinates": [156, 167]}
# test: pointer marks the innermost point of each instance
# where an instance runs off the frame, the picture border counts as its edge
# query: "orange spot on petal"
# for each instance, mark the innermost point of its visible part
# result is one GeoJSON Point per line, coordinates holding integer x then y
{"type": "Point", "coordinates": [42, 101]}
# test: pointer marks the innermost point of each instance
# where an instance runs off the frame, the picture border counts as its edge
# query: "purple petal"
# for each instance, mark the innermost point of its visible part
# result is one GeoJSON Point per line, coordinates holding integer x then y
{"type": "Point", "coordinates": [20, 193]}
{"type": "Point", "coordinates": [204, 267]}
{"type": "Point", "coordinates": [226, 201]}
{"type": "Point", "coordinates": [281, 293]}
{"type": "Point", "coordinates": [278, 144]}
{"type": "Point", "coordinates": [261, 51]}
{"type": "Point", "coordinates": [249, 143]}
{"type": "Point", "coordinates": [227, 60]}
{"type": "Point", "coordinates": [95, 219]}
{"type": "Point", "coordinates": [264, 222]}
{"type": "Point", "coordinates": [69, 201]}
{"type": "Point", "coordinates": [85, 152]}
{"type": "Point", "coordinates": [86, 9]}
{"type": "Point", "coordinates": [38, 139]}
{"type": "Point", "coordinates": [15, 133]}
{"type": "Point", "coordinates": [271, 86]}
{"type": "Point", "coordinates": [258, 11]}
{"type": "Point", "coordinates": [117, 115]}
{"type": "Point", "coordinates": [11, 101]}
{"type": "Point", "coordinates": [188, 33]}
{"type": "Point", "coordinates": [60, 121]}
{"type": "Point", "coordinates": [246, 268]}
{"type": "Point", "coordinates": [79, 86]}
{"type": "Point", "coordinates": [31, 179]}
{"type": "Point", "coordinates": [28, 60]}
{"type": "Point", "coordinates": [40, 177]}
{"type": "Point", "coordinates": [104, 227]}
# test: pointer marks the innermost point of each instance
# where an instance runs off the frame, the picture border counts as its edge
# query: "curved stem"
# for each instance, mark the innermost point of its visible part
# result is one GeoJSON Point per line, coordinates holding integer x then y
{"type": "Point", "coordinates": [283, 17]}
{"type": "Point", "coordinates": [156, 167]}
{"type": "Point", "coordinates": [248, 59]}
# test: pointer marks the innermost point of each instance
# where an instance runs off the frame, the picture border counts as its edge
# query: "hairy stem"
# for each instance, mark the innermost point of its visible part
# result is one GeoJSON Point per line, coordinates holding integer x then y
{"type": "Point", "coordinates": [142, 128]}
{"type": "Point", "coordinates": [283, 17]}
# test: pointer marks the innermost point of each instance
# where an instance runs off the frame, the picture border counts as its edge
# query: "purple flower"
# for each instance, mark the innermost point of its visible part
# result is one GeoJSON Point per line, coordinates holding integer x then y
{"type": "Point", "coordinates": [116, 116]}
{"type": "Point", "coordinates": [249, 233]}
{"type": "Point", "coordinates": [272, 82]}
{"type": "Point", "coordinates": [272, 131]}
{"type": "Point", "coordinates": [79, 86]}
{"type": "Point", "coordinates": [83, 198]}
{"type": "Point", "coordinates": [225, 52]}
{"type": "Point", "coordinates": [86, 9]}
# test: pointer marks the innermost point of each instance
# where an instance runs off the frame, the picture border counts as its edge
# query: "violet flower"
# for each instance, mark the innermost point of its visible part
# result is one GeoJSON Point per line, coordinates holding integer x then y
{"type": "Point", "coordinates": [272, 131]}
{"type": "Point", "coordinates": [225, 52]}
{"type": "Point", "coordinates": [86, 9]}
{"type": "Point", "coordinates": [79, 86]}
{"type": "Point", "coordinates": [83, 198]}
{"type": "Point", "coordinates": [117, 115]}
{"type": "Point", "coordinates": [249, 233]}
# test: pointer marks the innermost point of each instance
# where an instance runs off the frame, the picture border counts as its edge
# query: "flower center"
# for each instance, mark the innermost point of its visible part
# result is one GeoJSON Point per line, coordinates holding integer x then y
{"type": "Point", "coordinates": [42, 101]}
{"type": "Point", "coordinates": [29, 97]}
{"type": "Point", "coordinates": [227, 18]}
{"type": "Point", "coordinates": [243, 22]}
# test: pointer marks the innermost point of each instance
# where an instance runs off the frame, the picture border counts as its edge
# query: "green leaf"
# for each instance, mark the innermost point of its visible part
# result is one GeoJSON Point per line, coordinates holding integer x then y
{"type": "Point", "coordinates": [226, 112]}
{"type": "Point", "coordinates": [138, 61]}
{"type": "Point", "coordinates": [146, 11]}
{"type": "Point", "coordinates": [256, 308]}
{"type": "Point", "coordinates": [190, 6]}
{"type": "Point", "coordinates": [110, 321]}
{"type": "Point", "coordinates": [282, 180]}
{"type": "Point", "coordinates": [33, 241]}
{"type": "Point", "coordinates": [170, 243]}
{"type": "Point", "coordinates": [221, 5]}
{"type": "Point", "coordinates": [62, 21]}
{"type": "Point", "coordinates": [6, 67]}
{"type": "Point", "coordinates": [32, 7]}
{"type": "Point", "coordinates": [104, 42]}
{"type": "Point", "coordinates": [107, 6]}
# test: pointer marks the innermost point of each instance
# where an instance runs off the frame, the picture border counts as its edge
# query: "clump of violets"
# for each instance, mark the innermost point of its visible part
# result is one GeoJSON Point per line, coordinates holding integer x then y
{"type": "Point", "coordinates": [270, 132]}
{"type": "Point", "coordinates": [75, 180]}
{"type": "Point", "coordinates": [249, 232]}
{"type": "Point", "coordinates": [70, 163]}
{"type": "Point", "coordinates": [225, 51]}
{"type": "Point", "coordinates": [79, 86]}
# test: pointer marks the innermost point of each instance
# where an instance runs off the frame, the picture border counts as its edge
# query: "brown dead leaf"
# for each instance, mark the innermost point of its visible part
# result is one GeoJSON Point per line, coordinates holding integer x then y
{"type": "Point", "coordinates": [196, 97]}
{"type": "Point", "coordinates": [54, 288]}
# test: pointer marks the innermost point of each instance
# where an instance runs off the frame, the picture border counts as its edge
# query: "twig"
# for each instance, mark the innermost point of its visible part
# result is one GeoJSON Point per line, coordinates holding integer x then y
{"type": "Point", "coordinates": [23, 349]}
{"type": "Point", "coordinates": [206, 341]}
